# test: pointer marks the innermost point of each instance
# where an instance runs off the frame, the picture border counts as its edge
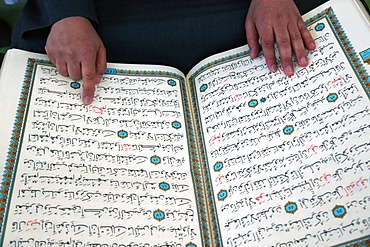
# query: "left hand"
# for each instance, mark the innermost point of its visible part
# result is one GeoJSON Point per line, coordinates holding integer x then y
{"type": "Point", "coordinates": [278, 21]}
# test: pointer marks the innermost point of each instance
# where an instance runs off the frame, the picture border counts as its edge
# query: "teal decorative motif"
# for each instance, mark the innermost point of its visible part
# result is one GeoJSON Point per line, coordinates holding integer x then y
{"type": "Point", "coordinates": [339, 211]}
{"type": "Point", "coordinates": [288, 129]}
{"type": "Point", "coordinates": [75, 85]}
{"type": "Point", "coordinates": [171, 82]}
{"type": "Point", "coordinates": [218, 166]}
{"type": "Point", "coordinates": [111, 71]}
{"type": "Point", "coordinates": [319, 26]}
{"type": "Point", "coordinates": [332, 97]}
{"type": "Point", "coordinates": [263, 99]}
{"type": "Point", "coordinates": [122, 134]}
{"type": "Point", "coordinates": [158, 215]}
{"type": "Point", "coordinates": [253, 103]}
{"type": "Point", "coordinates": [291, 207]}
{"type": "Point", "coordinates": [222, 195]}
{"type": "Point", "coordinates": [164, 186]}
{"type": "Point", "coordinates": [365, 55]}
{"type": "Point", "coordinates": [203, 88]}
{"type": "Point", "coordinates": [176, 125]}
{"type": "Point", "coordinates": [155, 160]}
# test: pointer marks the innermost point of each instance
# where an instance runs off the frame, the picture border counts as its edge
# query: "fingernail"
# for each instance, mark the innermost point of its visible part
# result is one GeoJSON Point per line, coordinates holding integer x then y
{"type": "Point", "coordinates": [273, 68]}
{"type": "Point", "coordinates": [288, 70]}
{"type": "Point", "coordinates": [87, 100]}
{"type": "Point", "coordinates": [312, 45]}
{"type": "Point", "coordinates": [303, 61]}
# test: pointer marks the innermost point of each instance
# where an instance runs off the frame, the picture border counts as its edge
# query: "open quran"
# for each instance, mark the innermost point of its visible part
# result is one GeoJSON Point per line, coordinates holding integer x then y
{"type": "Point", "coordinates": [229, 155]}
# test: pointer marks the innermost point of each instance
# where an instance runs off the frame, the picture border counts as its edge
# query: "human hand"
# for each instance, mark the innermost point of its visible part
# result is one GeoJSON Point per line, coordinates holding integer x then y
{"type": "Point", "coordinates": [77, 51]}
{"type": "Point", "coordinates": [278, 21]}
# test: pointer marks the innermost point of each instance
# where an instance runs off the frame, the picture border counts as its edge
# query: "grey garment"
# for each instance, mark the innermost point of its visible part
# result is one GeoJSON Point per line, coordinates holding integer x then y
{"type": "Point", "coordinates": [176, 33]}
{"type": "Point", "coordinates": [167, 32]}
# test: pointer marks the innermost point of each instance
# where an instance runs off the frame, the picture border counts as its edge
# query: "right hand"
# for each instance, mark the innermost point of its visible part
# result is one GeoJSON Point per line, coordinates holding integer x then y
{"type": "Point", "coordinates": [77, 51]}
{"type": "Point", "coordinates": [278, 21]}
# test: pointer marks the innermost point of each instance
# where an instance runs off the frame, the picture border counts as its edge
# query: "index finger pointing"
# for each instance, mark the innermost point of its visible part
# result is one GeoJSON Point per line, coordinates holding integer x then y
{"type": "Point", "coordinates": [89, 80]}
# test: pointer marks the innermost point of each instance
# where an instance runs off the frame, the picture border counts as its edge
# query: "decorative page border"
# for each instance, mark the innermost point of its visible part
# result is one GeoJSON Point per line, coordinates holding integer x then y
{"type": "Point", "coordinates": [357, 67]}
{"type": "Point", "coordinates": [10, 167]}
{"type": "Point", "coordinates": [217, 237]}
{"type": "Point", "coordinates": [361, 242]}
{"type": "Point", "coordinates": [21, 120]}
{"type": "Point", "coordinates": [346, 45]}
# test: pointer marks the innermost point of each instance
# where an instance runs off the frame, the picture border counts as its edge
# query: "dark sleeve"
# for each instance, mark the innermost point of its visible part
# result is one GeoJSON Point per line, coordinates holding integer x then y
{"type": "Point", "coordinates": [33, 26]}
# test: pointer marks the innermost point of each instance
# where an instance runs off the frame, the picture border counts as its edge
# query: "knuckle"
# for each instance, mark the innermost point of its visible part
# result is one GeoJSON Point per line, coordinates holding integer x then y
{"type": "Point", "coordinates": [88, 75]}
{"type": "Point", "coordinates": [302, 28]}
{"type": "Point", "coordinates": [284, 43]}
{"type": "Point", "coordinates": [267, 42]}
{"type": "Point", "coordinates": [87, 51]}
{"type": "Point", "coordinates": [69, 53]}
{"type": "Point", "coordinates": [295, 36]}
{"type": "Point", "coordinates": [89, 88]}
{"type": "Point", "coordinates": [75, 77]}
{"type": "Point", "coordinates": [50, 51]}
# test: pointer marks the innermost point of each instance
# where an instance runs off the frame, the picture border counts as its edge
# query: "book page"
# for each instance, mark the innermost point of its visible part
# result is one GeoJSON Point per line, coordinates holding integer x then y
{"type": "Point", "coordinates": [113, 173]}
{"type": "Point", "coordinates": [288, 157]}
